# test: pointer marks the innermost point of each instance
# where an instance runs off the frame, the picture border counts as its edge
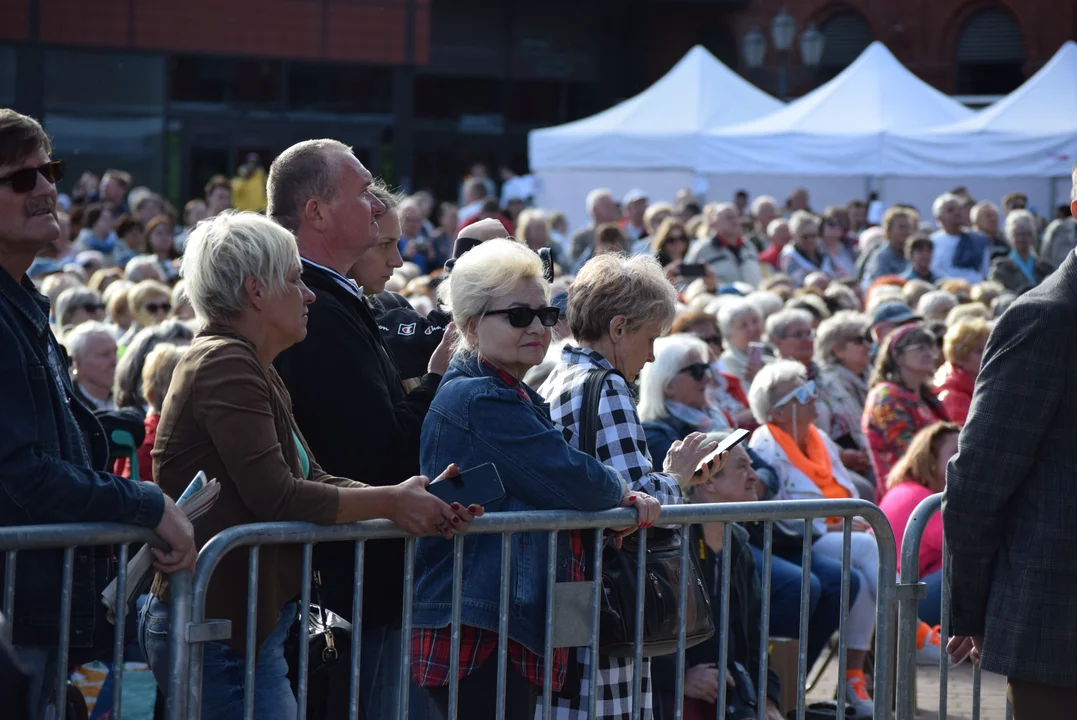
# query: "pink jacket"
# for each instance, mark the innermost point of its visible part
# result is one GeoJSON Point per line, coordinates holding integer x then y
{"type": "Point", "coordinates": [898, 505]}
{"type": "Point", "coordinates": [954, 387]}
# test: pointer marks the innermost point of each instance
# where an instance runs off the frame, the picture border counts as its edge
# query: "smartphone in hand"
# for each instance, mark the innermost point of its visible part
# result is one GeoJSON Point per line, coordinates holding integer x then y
{"type": "Point", "coordinates": [479, 485]}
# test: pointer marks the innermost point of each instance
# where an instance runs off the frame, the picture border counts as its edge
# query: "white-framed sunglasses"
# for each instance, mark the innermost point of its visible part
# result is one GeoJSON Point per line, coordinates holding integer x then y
{"type": "Point", "coordinates": [802, 395]}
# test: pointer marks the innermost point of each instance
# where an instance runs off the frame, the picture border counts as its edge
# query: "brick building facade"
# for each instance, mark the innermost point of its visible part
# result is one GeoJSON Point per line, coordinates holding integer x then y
{"type": "Point", "coordinates": [177, 90]}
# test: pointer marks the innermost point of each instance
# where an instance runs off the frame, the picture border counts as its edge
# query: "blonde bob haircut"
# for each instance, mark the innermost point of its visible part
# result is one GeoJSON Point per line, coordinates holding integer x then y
{"type": "Point", "coordinates": [223, 251]}
{"type": "Point", "coordinates": [157, 374]}
{"type": "Point", "coordinates": [490, 271]}
{"type": "Point", "coordinates": [614, 285]}
{"type": "Point", "coordinates": [964, 337]}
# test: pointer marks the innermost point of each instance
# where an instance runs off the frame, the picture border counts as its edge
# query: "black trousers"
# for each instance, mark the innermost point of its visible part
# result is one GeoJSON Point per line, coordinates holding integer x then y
{"type": "Point", "coordinates": [1034, 701]}
{"type": "Point", "coordinates": [477, 694]}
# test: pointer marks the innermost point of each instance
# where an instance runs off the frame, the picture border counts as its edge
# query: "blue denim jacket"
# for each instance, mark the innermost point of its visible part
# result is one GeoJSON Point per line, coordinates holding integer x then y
{"type": "Point", "coordinates": [49, 445]}
{"type": "Point", "coordinates": [476, 419]}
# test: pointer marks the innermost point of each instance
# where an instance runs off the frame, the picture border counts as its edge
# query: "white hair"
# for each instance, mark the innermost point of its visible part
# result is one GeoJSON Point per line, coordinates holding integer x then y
{"type": "Point", "coordinates": [760, 201]}
{"type": "Point", "coordinates": [719, 208]}
{"type": "Point", "coordinates": [490, 271]}
{"type": "Point", "coordinates": [143, 267]}
{"type": "Point", "coordinates": [936, 305]}
{"type": "Point", "coordinates": [779, 323]}
{"type": "Point", "coordinates": [669, 356]}
{"type": "Point", "coordinates": [225, 250]}
{"type": "Point", "coordinates": [1016, 218]}
{"type": "Point", "coordinates": [734, 310]}
{"type": "Point", "coordinates": [941, 201]}
{"type": "Point", "coordinates": [776, 224]}
{"type": "Point", "coordinates": [70, 300]}
{"type": "Point", "coordinates": [763, 393]}
{"type": "Point", "coordinates": [979, 207]}
{"type": "Point", "coordinates": [838, 330]}
{"type": "Point", "coordinates": [594, 196]}
{"type": "Point", "coordinates": [765, 301]}
{"type": "Point", "coordinates": [76, 338]}
{"type": "Point", "coordinates": [800, 220]}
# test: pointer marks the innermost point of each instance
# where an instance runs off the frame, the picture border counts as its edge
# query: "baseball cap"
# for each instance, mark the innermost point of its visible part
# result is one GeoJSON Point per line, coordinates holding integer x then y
{"type": "Point", "coordinates": [893, 311]}
{"type": "Point", "coordinates": [633, 195]}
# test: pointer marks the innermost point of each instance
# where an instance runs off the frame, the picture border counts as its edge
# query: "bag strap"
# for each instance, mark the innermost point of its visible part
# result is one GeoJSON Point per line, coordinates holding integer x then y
{"type": "Point", "coordinates": [592, 397]}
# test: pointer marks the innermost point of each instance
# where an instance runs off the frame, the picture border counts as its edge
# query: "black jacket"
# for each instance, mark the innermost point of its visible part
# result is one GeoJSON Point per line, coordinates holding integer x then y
{"type": "Point", "coordinates": [348, 399]}
{"type": "Point", "coordinates": [745, 606]}
{"type": "Point", "coordinates": [410, 337]}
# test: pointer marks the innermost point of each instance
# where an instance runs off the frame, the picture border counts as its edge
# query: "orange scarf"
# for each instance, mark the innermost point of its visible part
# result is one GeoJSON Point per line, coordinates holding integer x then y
{"type": "Point", "coordinates": [816, 464]}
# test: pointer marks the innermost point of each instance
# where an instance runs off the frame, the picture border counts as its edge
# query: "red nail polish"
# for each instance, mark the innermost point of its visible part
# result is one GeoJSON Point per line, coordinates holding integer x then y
{"type": "Point", "coordinates": [455, 506]}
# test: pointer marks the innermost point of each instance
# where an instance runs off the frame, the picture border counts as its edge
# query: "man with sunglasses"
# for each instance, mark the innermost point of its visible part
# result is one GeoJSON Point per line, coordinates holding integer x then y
{"type": "Point", "coordinates": [51, 446]}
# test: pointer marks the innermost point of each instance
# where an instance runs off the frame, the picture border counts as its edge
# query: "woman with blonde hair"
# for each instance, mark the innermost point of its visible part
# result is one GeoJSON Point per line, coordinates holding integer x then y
{"type": "Point", "coordinates": [963, 345]}
{"type": "Point", "coordinates": [920, 473]}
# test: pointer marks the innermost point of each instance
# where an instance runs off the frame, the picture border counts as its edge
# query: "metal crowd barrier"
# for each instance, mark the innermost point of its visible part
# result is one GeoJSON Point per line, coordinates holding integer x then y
{"type": "Point", "coordinates": [68, 537]}
{"type": "Point", "coordinates": [909, 592]}
{"type": "Point", "coordinates": [190, 629]}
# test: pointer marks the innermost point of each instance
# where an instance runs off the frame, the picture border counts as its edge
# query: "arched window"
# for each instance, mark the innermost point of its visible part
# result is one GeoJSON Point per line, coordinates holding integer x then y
{"type": "Point", "coordinates": [990, 54]}
{"type": "Point", "coordinates": [847, 34]}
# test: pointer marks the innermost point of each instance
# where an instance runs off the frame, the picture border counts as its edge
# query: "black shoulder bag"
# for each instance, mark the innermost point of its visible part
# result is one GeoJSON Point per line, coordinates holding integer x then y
{"type": "Point", "coordinates": [617, 630]}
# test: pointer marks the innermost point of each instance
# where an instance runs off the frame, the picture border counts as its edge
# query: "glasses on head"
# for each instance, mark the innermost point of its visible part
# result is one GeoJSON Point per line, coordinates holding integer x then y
{"type": "Point", "coordinates": [698, 371]}
{"type": "Point", "coordinates": [93, 307]}
{"type": "Point", "coordinates": [155, 308]}
{"type": "Point", "coordinates": [25, 180]}
{"type": "Point", "coordinates": [521, 317]}
{"type": "Point", "coordinates": [803, 395]}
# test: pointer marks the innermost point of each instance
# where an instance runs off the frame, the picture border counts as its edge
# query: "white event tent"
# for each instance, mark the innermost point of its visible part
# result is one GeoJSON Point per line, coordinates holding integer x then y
{"type": "Point", "coordinates": [649, 141]}
{"type": "Point", "coordinates": [830, 141]}
{"type": "Point", "coordinates": [1027, 141]}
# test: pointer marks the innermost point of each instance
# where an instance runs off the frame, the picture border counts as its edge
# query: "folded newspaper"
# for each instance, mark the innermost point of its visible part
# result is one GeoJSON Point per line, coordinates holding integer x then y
{"type": "Point", "coordinates": [195, 502]}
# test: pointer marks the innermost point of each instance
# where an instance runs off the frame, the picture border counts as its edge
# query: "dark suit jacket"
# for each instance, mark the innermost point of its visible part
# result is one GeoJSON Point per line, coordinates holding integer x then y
{"type": "Point", "coordinates": [1010, 508]}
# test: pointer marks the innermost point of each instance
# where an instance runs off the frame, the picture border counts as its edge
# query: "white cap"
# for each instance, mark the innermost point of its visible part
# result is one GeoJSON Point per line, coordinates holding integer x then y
{"type": "Point", "coordinates": [633, 195]}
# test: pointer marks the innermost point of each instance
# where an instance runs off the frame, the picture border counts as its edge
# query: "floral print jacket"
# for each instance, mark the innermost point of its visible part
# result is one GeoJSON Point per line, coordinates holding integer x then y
{"type": "Point", "coordinates": [892, 417]}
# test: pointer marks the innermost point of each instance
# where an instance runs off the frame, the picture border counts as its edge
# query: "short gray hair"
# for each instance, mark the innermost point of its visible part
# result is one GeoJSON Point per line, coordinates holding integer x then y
{"type": "Point", "coordinates": [734, 310]}
{"type": "Point", "coordinates": [760, 201]}
{"type": "Point", "coordinates": [304, 171]}
{"type": "Point", "coordinates": [594, 196]}
{"type": "Point", "coordinates": [70, 300]}
{"type": "Point", "coordinates": [775, 225]}
{"type": "Point", "coordinates": [128, 389]}
{"type": "Point", "coordinates": [763, 393]}
{"type": "Point", "coordinates": [489, 271]}
{"type": "Point", "coordinates": [654, 378]}
{"type": "Point", "coordinates": [75, 340]}
{"type": "Point", "coordinates": [766, 302]}
{"type": "Point", "coordinates": [931, 305]}
{"type": "Point", "coordinates": [610, 285]}
{"type": "Point", "coordinates": [1016, 218]}
{"type": "Point", "coordinates": [223, 251]}
{"type": "Point", "coordinates": [779, 323]}
{"type": "Point", "coordinates": [941, 201]}
{"type": "Point", "coordinates": [836, 331]}
{"type": "Point", "coordinates": [143, 267]}
{"type": "Point", "coordinates": [801, 219]}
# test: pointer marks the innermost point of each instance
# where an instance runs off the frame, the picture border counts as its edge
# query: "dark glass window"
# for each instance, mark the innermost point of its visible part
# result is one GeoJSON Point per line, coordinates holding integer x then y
{"type": "Point", "coordinates": [8, 58]}
{"type": "Point", "coordinates": [340, 88]}
{"type": "Point", "coordinates": [444, 98]}
{"type": "Point", "coordinates": [537, 102]}
{"type": "Point", "coordinates": [990, 54]}
{"type": "Point", "coordinates": [226, 81]}
{"type": "Point", "coordinates": [76, 80]}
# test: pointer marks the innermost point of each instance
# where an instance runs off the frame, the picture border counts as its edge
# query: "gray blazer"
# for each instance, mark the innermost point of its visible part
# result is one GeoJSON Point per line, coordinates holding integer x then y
{"type": "Point", "coordinates": [1010, 508]}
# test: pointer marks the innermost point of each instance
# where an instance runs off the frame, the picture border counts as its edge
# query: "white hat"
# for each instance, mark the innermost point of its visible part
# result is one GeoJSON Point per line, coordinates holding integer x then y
{"type": "Point", "coordinates": [633, 195]}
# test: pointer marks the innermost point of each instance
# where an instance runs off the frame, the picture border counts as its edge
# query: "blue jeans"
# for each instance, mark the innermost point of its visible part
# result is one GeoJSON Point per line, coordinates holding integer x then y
{"type": "Point", "coordinates": [223, 668]}
{"type": "Point", "coordinates": [379, 678]}
{"type": "Point", "coordinates": [930, 608]}
{"type": "Point", "coordinates": [824, 603]}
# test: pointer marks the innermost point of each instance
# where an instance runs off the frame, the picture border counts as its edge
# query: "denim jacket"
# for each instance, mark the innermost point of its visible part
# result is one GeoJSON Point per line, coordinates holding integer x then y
{"type": "Point", "coordinates": [49, 445]}
{"type": "Point", "coordinates": [476, 419]}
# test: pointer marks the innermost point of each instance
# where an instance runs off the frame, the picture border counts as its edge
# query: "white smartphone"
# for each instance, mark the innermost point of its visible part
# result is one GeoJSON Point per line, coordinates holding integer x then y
{"type": "Point", "coordinates": [726, 445]}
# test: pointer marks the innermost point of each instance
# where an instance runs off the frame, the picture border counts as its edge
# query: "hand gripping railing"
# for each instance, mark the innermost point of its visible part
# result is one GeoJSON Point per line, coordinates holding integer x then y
{"type": "Point", "coordinates": [189, 630]}
{"type": "Point", "coordinates": [910, 591]}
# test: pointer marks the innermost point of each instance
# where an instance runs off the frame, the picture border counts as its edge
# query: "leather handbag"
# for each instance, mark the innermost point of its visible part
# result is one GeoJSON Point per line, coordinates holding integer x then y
{"type": "Point", "coordinates": [661, 579]}
{"type": "Point", "coordinates": [328, 636]}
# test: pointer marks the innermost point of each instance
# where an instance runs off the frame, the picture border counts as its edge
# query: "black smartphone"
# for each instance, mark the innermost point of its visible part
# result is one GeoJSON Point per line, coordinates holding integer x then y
{"type": "Point", "coordinates": [726, 445]}
{"type": "Point", "coordinates": [478, 486]}
{"type": "Point", "coordinates": [693, 270]}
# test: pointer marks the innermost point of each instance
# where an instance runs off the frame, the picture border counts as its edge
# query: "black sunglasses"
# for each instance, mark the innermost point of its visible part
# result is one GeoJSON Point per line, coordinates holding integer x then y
{"type": "Point", "coordinates": [157, 307]}
{"type": "Point", "coordinates": [698, 371]}
{"type": "Point", "coordinates": [25, 180]}
{"type": "Point", "coordinates": [521, 317]}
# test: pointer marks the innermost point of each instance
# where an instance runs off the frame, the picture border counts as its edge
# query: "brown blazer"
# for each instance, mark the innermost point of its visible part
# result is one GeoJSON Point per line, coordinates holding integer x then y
{"type": "Point", "coordinates": [229, 416]}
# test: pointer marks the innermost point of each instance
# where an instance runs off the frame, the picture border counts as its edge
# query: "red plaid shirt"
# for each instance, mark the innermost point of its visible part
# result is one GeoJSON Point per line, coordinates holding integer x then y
{"type": "Point", "coordinates": [431, 648]}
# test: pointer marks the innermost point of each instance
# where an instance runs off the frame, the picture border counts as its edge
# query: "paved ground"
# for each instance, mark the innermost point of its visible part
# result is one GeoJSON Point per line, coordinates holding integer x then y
{"type": "Point", "coordinates": [958, 698]}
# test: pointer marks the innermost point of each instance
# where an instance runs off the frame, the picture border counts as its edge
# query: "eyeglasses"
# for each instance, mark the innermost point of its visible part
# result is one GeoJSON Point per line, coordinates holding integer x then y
{"type": "Point", "coordinates": [930, 349]}
{"type": "Point", "coordinates": [93, 307]}
{"type": "Point", "coordinates": [676, 238]}
{"type": "Point", "coordinates": [521, 317]}
{"type": "Point", "coordinates": [25, 180]}
{"type": "Point", "coordinates": [860, 340]}
{"type": "Point", "coordinates": [155, 308]}
{"type": "Point", "coordinates": [698, 371]}
{"type": "Point", "coordinates": [803, 395]}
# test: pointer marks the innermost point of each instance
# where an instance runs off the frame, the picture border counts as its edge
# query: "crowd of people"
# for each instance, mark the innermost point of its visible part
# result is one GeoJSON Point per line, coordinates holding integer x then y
{"type": "Point", "coordinates": [325, 358]}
